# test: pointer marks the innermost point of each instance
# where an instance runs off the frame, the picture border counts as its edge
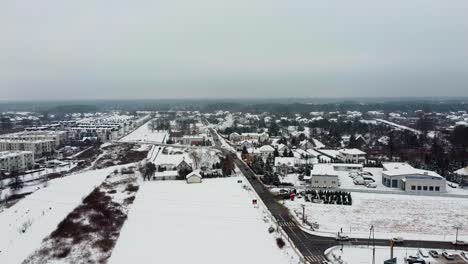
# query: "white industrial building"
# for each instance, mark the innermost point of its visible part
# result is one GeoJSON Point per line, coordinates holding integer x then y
{"type": "Point", "coordinates": [351, 155]}
{"type": "Point", "coordinates": [18, 161]}
{"type": "Point", "coordinates": [323, 176]}
{"type": "Point", "coordinates": [405, 177]}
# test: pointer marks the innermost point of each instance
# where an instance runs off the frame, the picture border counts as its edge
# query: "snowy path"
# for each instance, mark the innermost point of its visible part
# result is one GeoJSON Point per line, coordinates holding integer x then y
{"type": "Point", "coordinates": [43, 210]}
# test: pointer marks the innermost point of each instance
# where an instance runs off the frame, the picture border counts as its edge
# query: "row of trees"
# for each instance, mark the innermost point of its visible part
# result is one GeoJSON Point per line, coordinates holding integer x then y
{"type": "Point", "coordinates": [329, 197]}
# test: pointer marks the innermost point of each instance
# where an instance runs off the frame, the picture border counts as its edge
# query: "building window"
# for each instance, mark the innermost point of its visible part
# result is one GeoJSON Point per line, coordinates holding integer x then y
{"type": "Point", "coordinates": [425, 188]}
{"type": "Point", "coordinates": [333, 182]}
{"type": "Point", "coordinates": [437, 188]}
{"type": "Point", "coordinates": [413, 187]}
{"type": "Point", "coordinates": [431, 188]}
{"type": "Point", "coordinates": [419, 188]}
{"type": "Point", "coordinates": [316, 181]}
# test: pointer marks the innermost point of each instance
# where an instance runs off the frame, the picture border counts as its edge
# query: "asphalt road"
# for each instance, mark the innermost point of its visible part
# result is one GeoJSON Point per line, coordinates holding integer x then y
{"type": "Point", "coordinates": [313, 247]}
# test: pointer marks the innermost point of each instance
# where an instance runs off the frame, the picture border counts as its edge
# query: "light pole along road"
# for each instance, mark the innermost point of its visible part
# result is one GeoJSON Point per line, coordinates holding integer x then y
{"type": "Point", "coordinates": [312, 247]}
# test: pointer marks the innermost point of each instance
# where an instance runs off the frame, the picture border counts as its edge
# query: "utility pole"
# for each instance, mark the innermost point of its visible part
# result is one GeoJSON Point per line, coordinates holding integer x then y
{"type": "Point", "coordinates": [303, 213]}
{"type": "Point", "coordinates": [371, 236]}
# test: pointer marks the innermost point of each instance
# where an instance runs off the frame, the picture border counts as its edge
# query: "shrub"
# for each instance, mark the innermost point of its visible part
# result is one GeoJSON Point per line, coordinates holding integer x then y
{"type": "Point", "coordinates": [280, 242]}
{"type": "Point", "coordinates": [131, 188]}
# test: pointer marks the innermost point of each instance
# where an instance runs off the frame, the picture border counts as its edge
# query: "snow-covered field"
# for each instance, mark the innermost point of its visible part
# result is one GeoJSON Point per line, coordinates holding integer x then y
{"type": "Point", "coordinates": [211, 222]}
{"type": "Point", "coordinates": [39, 213]}
{"type": "Point", "coordinates": [409, 216]}
{"type": "Point", "coordinates": [144, 134]}
{"type": "Point", "coordinates": [363, 255]}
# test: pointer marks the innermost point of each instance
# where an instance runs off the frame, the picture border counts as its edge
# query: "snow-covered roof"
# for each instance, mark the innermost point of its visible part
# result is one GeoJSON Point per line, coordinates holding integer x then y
{"type": "Point", "coordinates": [462, 171]}
{"type": "Point", "coordinates": [175, 159]}
{"type": "Point", "coordinates": [323, 169]}
{"type": "Point", "coordinates": [461, 123]}
{"type": "Point", "coordinates": [266, 148]}
{"type": "Point", "coordinates": [195, 173]}
{"type": "Point", "coordinates": [403, 168]}
{"type": "Point", "coordinates": [313, 152]}
{"type": "Point", "coordinates": [353, 151]}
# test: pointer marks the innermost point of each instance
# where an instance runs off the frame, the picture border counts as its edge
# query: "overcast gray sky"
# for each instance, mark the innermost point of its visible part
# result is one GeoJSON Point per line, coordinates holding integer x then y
{"type": "Point", "coordinates": [113, 49]}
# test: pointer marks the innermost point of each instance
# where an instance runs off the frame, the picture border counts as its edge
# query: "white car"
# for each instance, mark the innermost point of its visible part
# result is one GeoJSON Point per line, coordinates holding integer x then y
{"type": "Point", "coordinates": [459, 243]}
{"type": "Point", "coordinates": [371, 185]}
{"type": "Point", "coordinates": [398, 240]}
{"type": "Point", "coordinates": [448, 256]}
{"type": "Point", "coordinates": [359, 181]}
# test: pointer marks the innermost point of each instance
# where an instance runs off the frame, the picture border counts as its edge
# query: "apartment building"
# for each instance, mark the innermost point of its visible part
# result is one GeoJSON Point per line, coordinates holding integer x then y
{"type": "Point", "coordinates": [38, 147]}
{"type": "Point", "coordinates": [18, 161]}
{"type": "Point", "coordinates": [59, 137]}
{"type": "Point", "coordinates": [351, 155]}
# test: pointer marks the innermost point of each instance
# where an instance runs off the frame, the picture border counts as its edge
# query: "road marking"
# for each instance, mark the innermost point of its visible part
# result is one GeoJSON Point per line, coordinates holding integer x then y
{"type": "Point", "coordinates": [315, 259]}
{"type": "Point", "coordinates": [286, 223]}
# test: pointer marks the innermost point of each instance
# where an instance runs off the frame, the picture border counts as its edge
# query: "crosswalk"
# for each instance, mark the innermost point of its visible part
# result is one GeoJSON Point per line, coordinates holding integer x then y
{"type": "Point", "coordinates": [282, 223]}
{"type": "Point", "coordinates": [318, 259]}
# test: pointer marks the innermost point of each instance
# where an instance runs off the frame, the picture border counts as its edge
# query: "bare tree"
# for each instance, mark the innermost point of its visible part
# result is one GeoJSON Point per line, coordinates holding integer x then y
{"type": "Point", "coordinates": [196, 158]}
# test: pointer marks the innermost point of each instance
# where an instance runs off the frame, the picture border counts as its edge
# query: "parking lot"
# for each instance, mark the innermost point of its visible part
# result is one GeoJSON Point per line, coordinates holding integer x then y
{"type": "Point", "coordinates": [363, 254]}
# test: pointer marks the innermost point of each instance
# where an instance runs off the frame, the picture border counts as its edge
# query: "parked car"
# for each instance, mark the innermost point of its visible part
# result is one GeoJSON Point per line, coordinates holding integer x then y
{"type": "Point", "coordinates": [354, 174]}
{"type": "Point", "coordinates": [367, 178]}
{"type": "Point", "coordinates": [398, 240]}
{"type": "Point", "coordinates": [459, 243]}
{"type": "Point", "coordinates": [434, 253]}
{"type": "Point", "coordinates": [448, 256]}
{"type": "Point", "coordinates": [371, 185]}
{"type": "Point", "coordinates": [423, 253]}
{"type": "Point", "coordinates": [359, 181]}
{"type": "Point", "coordinates": [414, 260]}
{"type": "Point", "coordinates": [325, 262]}
{"type": "Point", "coordinates": [366, 173]}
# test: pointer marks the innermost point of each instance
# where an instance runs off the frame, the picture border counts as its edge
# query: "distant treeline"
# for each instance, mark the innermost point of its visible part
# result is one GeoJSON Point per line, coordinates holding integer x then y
{"type": "Point", "coordinates": [300, 105]}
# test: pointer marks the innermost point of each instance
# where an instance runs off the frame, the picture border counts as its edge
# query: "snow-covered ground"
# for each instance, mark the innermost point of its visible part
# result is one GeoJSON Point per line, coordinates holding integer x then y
{"type": "Point", "coordinates": [144, 134]}
{"type": "Point", "coordinates": [211, 222]}
{"type": "Point", "coordinates": [409, 216]}
{"type": "Point", "coordinates": [417, 132]}
{"type": "Point", "coordinates": [318, 144]}
{"type": "Point", "coordinates": [363, 255]}
{"type": "Point", "coordinates": [40, 212]}
{"type": "Point", "coordinates": [292, 178]}
{"type": "Point", "coordinates": [32, 181]}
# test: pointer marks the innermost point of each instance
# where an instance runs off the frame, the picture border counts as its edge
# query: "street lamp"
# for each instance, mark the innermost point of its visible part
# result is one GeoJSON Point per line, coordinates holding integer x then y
{"type": "Point", "coordinates": [456, 236]}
